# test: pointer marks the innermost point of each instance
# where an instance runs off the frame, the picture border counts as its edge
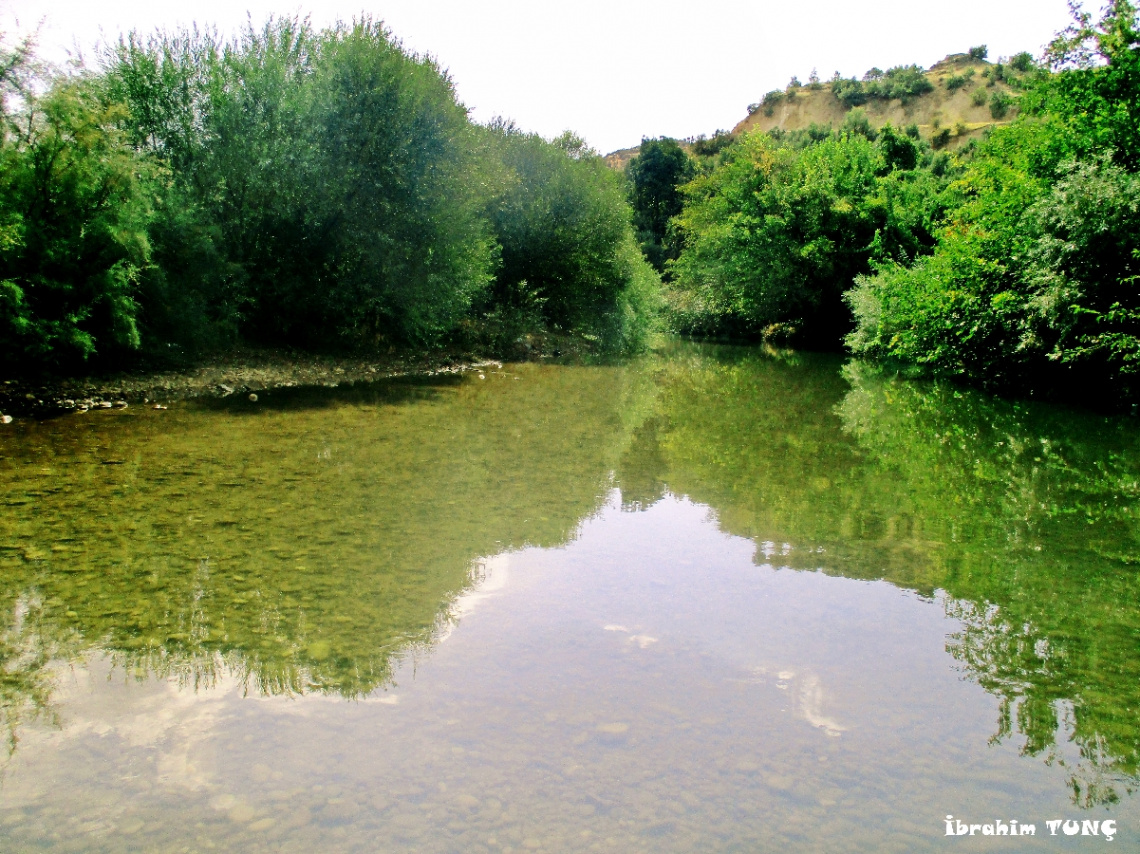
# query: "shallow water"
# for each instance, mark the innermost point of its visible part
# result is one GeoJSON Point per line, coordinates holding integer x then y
{"type": "Point", "coordinates": [712, 600]}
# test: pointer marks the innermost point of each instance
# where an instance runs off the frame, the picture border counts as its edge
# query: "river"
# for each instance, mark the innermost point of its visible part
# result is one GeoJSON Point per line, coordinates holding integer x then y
{"type": "Point", "coordinates": [713, 599]}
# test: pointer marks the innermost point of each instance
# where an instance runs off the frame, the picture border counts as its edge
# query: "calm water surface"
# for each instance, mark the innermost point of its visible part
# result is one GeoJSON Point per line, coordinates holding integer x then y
{"type": "Point", "coordinates": [713, 600]}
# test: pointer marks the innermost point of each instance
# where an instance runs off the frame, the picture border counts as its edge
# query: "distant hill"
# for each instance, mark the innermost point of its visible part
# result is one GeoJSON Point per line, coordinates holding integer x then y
{"type": "Point", "coordinates": [950, 115]}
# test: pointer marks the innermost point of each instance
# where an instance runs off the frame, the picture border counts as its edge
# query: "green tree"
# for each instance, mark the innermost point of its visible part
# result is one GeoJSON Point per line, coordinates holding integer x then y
{"type": "Point", "coordinates": [327, 182]}
{"type": "Point", "coordinates": [655, 177]}
{"type": "Point", "coordinates": [773, 233]}
{"type": "Point", "coordinates": [1032, 283]}
{"type": "Point", "coordinates": [73, 217]}
{"type": "Point", "coordinates": [563, 225]}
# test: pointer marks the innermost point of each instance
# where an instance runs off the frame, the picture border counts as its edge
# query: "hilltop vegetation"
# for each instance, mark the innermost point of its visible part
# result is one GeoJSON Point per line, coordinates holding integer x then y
{"type": "Point", "coordinates": [1012, 262]}
{"type": "Point", "coordinates": [954, 101]}
{"type": "Point", "coordinates": [320, 189]}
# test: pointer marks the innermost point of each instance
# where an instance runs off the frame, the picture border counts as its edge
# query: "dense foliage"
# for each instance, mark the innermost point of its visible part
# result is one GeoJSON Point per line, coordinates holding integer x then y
{"type": "Point", "coordinates": [73, 222]}
{"type": "Point", "coordinates": [290, 186]}
{"type": "Point", "coordinates": [779, 229]}
{"type": "Point", "coordinates": [1012, 263]}
{"type": "Point", "coordinates": [1033, 283]}
{"type": "Point", "coordinates": [569, 258]}
{"type": "Point", "coordinates": [655, 177]}
{"type": "Point", "coordinates": [903, 82]}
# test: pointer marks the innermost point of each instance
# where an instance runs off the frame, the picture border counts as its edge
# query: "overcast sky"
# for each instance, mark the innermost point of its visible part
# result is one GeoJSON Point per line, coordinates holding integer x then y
{"type": "Point", "coordinates": [612, 70]}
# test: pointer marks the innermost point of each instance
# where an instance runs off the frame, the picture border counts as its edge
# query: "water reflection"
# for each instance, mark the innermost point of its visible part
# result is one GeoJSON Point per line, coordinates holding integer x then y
{"type": "Point", "coordinates": [305, 544]}
{"type": "Point", "coordinates": [1025, 515]}
{"type": "Point", "coordinates": [317, 541]}
{"type": "Point", "coordinates": [1037, 508]}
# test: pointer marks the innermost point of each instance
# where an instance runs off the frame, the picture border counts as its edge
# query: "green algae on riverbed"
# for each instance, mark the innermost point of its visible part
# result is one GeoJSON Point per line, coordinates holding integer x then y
{"type": "Point", "coordinates": [707, 600]}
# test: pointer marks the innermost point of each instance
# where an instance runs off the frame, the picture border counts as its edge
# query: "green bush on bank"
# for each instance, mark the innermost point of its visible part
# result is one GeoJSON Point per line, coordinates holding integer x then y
{"type": "Point", "coordinates": [1033, 282]}
{"type": "Point", "coordinates": [903, 82]}
{"type": "Point", "coordinates": [777, 232]}
{"type": "Point", "coordinates": [330, 175]}
{"type": "Point", "coordinates": [568, 257]}
{"type": "Point", "coordinates": [655, 177]}
{"type": "Point", "coordinates": [291, 186]}
{"type": "Point", "coordinates": [74, 213]}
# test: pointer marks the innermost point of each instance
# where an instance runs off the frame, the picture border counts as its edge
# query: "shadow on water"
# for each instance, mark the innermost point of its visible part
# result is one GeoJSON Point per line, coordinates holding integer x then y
{"type": "Point", "coordinates": [312, 540]}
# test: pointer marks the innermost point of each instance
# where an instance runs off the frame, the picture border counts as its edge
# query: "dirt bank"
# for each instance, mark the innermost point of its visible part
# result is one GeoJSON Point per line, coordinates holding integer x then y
{"type": "Point", "coordinates": [242, 372]}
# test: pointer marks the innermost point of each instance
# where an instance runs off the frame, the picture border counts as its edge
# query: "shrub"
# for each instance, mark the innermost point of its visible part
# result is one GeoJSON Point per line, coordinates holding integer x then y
{"type": "Point", "coordinates": [331, 177]}
{"type": "Point", "coordinates": [850, 92]}
{"type": "Point", "coordinates": [655, 176]}
{"type": "Point", "coordinates": [75, 202]}
{"type": "Point", "coordinates": [1021, 61]}
{"type": "Point", "coordinates": [1000, 102]}
{"type": "Point", "coordinates": [856, 122]}
{"type": "Point", "coordinates": [775, 233]}
{"type": "Point", "coordinates": [979, 52]}
{"type": "Point", "coordinates": [770, 100]}
{"type": "Point", "coordinates": [978, 98]}
{"type": "Point", "coordinates": [957, 81]}
{"type": "Point", "coordinates": [567, 246]}
{"type": "Point", "coordinates": [903, 82]}
{"type": "Point", "coordinates": [711, 146]}
{"type": "Point", "coordinates": [941, 138]}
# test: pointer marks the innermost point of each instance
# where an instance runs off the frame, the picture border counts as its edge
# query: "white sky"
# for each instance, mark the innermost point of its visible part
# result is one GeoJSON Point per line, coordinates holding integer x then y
{"type": "Point", "coordinates": [612, 70]}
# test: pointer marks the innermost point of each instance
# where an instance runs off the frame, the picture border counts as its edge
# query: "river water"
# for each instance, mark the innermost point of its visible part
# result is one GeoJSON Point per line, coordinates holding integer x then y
{"type": "Point", "coordinates": [715, 599]}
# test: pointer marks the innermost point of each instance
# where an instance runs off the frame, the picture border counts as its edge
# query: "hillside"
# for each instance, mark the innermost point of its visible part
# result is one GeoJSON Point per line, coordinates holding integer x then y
{"type": "Point", "coordinates": [933, 111]}
{"type": "Point", "coordinates": [955, 114]}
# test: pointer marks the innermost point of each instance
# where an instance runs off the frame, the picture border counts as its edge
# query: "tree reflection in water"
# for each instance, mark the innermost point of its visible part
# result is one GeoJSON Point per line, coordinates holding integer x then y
{"type": "Point", "coordinates": [314, 541]}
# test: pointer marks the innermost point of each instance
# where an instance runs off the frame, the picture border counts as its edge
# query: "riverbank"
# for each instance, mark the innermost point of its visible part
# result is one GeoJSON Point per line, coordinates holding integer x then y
{"type": "Point", "coordinates": [245, 371]}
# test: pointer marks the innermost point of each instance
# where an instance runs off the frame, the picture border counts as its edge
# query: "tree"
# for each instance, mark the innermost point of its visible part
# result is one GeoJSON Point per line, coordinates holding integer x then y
{"type": "Point", "coordinates": [568, 254]}
{"type": "Point", "coordinates": [326, 182]}
{"type": "Point", "coordinates": [73, 217]}
{"type": "Point", "coordinates": [1032, 284]}
{"type": "Point", "coordinates": [655, 177]}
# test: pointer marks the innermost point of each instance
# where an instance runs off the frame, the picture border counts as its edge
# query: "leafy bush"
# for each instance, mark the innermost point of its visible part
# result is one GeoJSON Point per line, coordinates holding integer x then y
{"type": "Point", "coordinates": [851, 92]}
{"type": "Point", "coordinates": [703, 146]}
{"type": "Point", "coordinates": [776, 232]}
{"type": "Point", "coordinates": [899, 152]}
{"type": "Point", "coordinates": [270, 139]}
{"type": "Point", "coordinates": [567, 247]}
{"type": "Point", "coordinates": [979, 97]}
{"type": "Point", "coordinates": [74, 210]}
{"type": "Point", "coordinates": [979, 52]}
{"type": "Point", "coordinates": [957, 81]}
{"type": "Point", "coordinates": [1000, 102]}
{"type": "Point", "coordinates": [770, 100]}
{"type": "Point", "coordinates": [903, 82]}
{"type": "Point", "coordinates": [856, 122]}
{"type": "Point", "coordinates": [655, 177]}
{"type": "Point", "coordinates": [1033, 283]}
{"type": "Point", "coordinates": [1021, 61]}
